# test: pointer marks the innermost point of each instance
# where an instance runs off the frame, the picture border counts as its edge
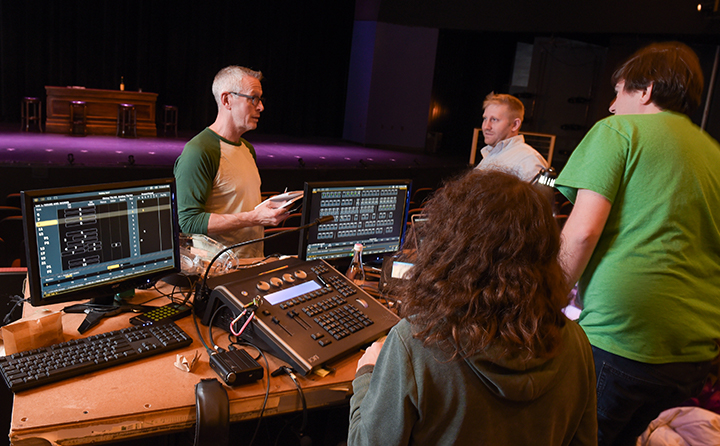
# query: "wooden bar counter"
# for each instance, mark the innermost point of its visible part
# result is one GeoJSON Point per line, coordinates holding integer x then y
{"type": "Point", "coordinates": [102, 109]}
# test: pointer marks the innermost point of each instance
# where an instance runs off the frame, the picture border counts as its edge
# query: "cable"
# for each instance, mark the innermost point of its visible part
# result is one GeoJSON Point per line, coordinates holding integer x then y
{"type": "Point", "coordinates": [287, 370]}
{"type": "Point", "coordinates": [257, 262]}
{"type": "Point", "coordinates": [199, 333]}
{"type": "Point", "coordinates": [267, 388]}
{"type": "Point", "coordinates": [175, 290]}
{"type": "Point", "coordinates": [210, 326]}
{"type": "Point", "coordinates": [18, 302]}
{"type": "Point", "coordinates": [197, 329]}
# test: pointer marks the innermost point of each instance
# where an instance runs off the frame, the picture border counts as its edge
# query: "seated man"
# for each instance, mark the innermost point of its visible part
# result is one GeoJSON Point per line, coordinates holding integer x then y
{"type": "Point", "coordinates": [484, 354]}
{"type": "Point", "coordinates": [217, 177]}
{"type": "Point", "coordinates": [505, 148]}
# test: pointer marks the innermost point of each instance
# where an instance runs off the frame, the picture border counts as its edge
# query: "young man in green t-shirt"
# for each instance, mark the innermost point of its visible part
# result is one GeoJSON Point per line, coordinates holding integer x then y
{"type": "Point", "coordinates": [643, 244]}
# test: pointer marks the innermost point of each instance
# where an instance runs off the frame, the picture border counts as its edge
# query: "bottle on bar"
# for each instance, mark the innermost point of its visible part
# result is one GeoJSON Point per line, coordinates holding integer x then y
{"type": "Point", "coordinates": [122, 83]}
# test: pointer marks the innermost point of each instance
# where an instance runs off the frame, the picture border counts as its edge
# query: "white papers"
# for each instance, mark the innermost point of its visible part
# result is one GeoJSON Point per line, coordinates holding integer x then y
{"type": "Point", "coordinates": [283, 200]}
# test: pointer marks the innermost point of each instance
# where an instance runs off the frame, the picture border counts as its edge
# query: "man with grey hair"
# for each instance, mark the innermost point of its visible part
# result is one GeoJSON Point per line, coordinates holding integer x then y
{"type": "Point", "coordinates": [505, 148]}
{"type": "Point", "coordinates": [218, 183]}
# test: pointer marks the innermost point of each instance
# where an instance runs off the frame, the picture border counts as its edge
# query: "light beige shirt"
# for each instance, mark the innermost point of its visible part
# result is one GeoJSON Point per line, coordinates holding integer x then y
{"type": "Point", "coordinates": [236, 188]}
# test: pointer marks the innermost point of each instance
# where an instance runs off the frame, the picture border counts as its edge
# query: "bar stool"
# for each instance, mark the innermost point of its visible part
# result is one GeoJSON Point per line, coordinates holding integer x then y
{"type": "Point", "coordinates": [78, 118]}
{"type": "Point", "coordinates": [171, 118]}
{"type": "Point", "coordinates": [30, 111]}
{"type": "Point", "coordinates": [127, 121]}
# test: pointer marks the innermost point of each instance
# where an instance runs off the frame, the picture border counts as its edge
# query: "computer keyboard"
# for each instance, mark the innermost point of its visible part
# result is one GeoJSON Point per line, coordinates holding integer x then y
{"type": "Point", "coordinates": [25, 370]}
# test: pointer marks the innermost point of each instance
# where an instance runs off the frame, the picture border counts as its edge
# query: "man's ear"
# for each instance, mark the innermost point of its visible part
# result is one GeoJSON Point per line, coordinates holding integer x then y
{"type": "Point", "coordinates": [516, 125]}
{"type": "Point", "coordinates": [646, 94]}
{"type": "Point", "coordinates": [224, 100]}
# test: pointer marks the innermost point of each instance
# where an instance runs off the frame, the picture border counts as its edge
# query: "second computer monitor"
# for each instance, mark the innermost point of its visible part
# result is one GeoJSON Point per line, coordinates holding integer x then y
{"type": "Point", "coordinates": [371, 212]}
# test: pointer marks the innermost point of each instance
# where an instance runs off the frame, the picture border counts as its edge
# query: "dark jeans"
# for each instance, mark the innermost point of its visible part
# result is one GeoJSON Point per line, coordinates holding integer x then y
{"type": "Point", "coordinates": [631, 394]}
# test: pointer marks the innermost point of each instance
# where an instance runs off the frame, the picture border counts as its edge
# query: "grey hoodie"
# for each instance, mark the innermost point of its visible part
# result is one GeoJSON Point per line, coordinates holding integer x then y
{"type": "Point", "coordinates": [414, 395]}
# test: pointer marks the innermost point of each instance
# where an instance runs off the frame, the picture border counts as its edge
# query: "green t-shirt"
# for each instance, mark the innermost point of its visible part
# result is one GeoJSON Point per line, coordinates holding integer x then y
{"type": "Point", "coordinates": [651, 291]}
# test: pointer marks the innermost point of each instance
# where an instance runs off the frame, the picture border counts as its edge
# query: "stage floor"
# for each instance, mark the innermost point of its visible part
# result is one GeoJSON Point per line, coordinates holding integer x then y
{"type": "Point", "coordinates": [41, 160]}
{"type": "Point", "coordinates": [273, 152]}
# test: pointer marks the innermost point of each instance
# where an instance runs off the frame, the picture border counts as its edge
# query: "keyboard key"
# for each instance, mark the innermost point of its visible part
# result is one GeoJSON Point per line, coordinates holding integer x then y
{"type": "Point", "coordinates": [26, 370]}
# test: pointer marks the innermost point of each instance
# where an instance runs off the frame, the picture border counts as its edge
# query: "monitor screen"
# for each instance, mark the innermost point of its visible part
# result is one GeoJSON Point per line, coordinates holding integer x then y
{"type": "Point", "coordinates": [371, 212]}
{"type": "Point", "coordinates": [100, 240]}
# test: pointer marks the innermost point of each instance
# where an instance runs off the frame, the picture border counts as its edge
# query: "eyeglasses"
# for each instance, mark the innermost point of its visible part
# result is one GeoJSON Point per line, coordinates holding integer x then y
{"type": "Point", "coordinates": [255, 100]}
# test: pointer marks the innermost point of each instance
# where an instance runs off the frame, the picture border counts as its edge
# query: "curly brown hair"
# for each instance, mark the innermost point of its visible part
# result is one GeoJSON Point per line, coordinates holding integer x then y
{"type": "Point", "coordinates": [487, 274]}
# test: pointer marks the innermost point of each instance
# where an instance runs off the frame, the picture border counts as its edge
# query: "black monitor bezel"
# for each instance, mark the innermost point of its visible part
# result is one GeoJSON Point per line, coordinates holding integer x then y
{"type": "Point", "coordinates": [102, 290]}
{"type": "Point", "coordinates": [306, 208]}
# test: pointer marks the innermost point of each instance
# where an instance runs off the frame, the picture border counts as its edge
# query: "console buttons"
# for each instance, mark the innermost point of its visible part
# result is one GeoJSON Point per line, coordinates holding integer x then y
{"type": "Point", "coordinates": [320, 269]}
{"type": "Point", "coordinates": [276, 282]}
{"type": "Point", "coordinates": [263, 286]}
{"type": "Point", "coordinates": [289, 278]}
{"type": "Point", "coordinates": [300, 274]}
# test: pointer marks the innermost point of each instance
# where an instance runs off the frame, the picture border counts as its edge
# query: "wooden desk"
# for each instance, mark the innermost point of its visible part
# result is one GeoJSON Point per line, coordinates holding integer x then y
{"type": "Point", "coordinates": [102, 109]}
{"type": "Point", "coordinates": [151, 396]}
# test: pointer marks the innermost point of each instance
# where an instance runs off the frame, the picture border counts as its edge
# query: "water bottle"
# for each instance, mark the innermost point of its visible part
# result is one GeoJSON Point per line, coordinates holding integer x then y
{"type": "Point", "coordinates": [355, 271]}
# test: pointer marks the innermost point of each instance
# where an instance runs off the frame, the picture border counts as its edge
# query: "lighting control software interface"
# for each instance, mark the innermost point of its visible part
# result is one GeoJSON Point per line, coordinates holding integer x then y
{"type": "Point", "coordinates": [373, 216]}
{"type": "Point", "coordinates": [85, 238]}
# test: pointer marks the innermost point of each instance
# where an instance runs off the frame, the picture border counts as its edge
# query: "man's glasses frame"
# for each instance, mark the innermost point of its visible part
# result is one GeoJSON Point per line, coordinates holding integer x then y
{"type": "Point", "coordinates": [255, 100]}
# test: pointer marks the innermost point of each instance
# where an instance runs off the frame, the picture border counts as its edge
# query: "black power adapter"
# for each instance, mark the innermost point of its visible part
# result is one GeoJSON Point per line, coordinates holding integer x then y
{"type": "Point", "coordinates": [235, 367]}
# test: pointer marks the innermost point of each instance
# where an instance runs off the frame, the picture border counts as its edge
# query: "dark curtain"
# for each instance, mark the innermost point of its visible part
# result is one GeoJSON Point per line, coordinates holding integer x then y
{"type": "Point", "coordinates": [174, 48]}
{"type": "Point", "coordinates": [469, 65]}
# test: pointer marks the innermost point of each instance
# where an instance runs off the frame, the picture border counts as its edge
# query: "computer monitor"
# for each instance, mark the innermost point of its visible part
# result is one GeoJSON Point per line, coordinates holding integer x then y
{"type": "Point", "coordinates": [371, 212]}
{"type": "Point", "coordinates": [99, 241]}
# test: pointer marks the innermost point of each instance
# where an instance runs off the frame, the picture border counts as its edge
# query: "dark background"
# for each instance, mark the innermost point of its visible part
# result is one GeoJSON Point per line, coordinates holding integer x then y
{"type": "Point", "coordinates": [174, 48]}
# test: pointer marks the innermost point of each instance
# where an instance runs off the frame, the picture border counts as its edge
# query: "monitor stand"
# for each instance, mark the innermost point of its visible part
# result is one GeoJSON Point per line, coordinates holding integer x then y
{"type": "Point", "coordinates": [104, 306]}
{"type": "Point", "coordinates": [181, 280]}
